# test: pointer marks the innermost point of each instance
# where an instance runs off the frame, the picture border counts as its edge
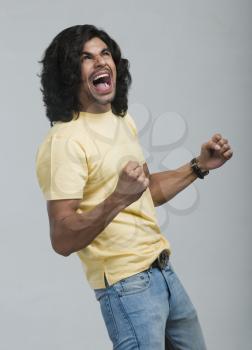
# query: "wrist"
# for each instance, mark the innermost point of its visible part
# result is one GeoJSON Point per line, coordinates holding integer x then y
{"type": "Point", "coordinates": [118, 200]}
{"type": "Point", "coordinates": [201, 164]}
{"type": "Point", "coordinates": [198, 168]}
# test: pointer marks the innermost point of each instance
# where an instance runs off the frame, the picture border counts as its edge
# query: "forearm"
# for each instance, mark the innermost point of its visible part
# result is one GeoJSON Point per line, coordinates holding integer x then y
{"type": "Point", "coordinates": [78, 230]}
{"type": "Point", "coordinates": [165, 185]}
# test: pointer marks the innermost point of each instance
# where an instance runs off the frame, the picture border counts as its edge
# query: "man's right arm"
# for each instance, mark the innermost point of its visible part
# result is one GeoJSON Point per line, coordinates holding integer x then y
{"type": "Point", "coordinates": [71, 231]}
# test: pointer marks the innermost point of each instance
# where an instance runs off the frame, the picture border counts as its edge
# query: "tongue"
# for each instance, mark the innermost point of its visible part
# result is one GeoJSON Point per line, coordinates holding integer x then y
{"type": "Point", "coordinates": [102, 87]}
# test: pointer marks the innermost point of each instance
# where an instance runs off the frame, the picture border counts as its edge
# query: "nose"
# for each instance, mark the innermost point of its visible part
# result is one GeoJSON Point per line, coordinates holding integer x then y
{"type": "Point", "coordinates": [99, 61]}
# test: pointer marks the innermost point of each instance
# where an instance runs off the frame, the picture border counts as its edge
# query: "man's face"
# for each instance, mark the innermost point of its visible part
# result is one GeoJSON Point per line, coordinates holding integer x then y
{"type": "Point", "coordinates": [98, 73]}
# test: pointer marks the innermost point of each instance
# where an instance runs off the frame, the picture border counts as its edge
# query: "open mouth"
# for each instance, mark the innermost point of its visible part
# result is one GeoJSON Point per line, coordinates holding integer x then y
{"type": "Point", "coordinates": [102, 83]}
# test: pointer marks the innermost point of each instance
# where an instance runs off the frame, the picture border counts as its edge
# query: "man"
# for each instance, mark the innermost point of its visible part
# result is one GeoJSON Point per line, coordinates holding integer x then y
{"type": "Point", "coordinates": [101, 196]}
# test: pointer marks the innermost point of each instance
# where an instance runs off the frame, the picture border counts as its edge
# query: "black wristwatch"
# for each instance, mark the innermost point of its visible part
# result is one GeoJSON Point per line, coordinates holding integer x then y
{"type": "Point", "coordinates": [195, 167]}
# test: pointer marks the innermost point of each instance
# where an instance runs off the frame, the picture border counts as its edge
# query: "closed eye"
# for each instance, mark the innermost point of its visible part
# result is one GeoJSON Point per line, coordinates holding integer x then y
{"type": "Point", "coordinates": [106, 52]}
{"type": "Point", "coordinates": [85, 57]}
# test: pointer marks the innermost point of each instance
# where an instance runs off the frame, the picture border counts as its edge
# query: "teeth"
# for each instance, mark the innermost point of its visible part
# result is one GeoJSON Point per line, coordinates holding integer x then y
{"type": "Point", "coordinates": [101, 76]}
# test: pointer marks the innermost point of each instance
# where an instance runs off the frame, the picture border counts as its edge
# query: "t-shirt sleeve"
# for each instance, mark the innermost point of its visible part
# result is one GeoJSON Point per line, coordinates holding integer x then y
{"type": "Point", "coordinates": [61, 168]}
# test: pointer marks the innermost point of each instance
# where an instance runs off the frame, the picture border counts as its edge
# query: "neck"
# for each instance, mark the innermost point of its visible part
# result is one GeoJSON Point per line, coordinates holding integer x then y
{"type": "Point", "coordinates": [97, 108]}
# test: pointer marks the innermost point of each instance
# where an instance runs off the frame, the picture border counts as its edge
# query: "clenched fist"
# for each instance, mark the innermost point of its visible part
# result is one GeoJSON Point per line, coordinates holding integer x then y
{"type": "Point", "coordinates": [132, 183]}
{"type": "Point", "coordinates": [214, 153]}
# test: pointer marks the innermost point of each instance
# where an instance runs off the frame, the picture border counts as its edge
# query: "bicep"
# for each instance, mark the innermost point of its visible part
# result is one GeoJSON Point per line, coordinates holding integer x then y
{"type": "Point", "coordinates": [59, 209]}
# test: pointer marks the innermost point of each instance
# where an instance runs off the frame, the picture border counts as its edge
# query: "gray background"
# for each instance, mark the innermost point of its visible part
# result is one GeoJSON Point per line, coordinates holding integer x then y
{"type": "Point", "coordinates": [191, 57]}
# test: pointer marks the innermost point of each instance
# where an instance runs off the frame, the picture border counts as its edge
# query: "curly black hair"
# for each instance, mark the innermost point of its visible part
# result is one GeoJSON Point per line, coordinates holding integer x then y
{"type": "Point", "coordinates": [61, 73]}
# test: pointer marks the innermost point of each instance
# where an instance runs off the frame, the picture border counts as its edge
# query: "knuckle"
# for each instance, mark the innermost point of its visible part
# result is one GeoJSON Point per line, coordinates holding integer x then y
{"type": "Point", "coordinates": [134, 163]}
{"type": "Point", "coordinates": [229, 153]}
{"type": "Point", "coordinates": [140, 178]}
{"type": "Point", "coordinates": [140, 170]}
{"type": "Point", "coordinates": [131, 164]}
{"type": "Point", "coordinates": [132, 175]}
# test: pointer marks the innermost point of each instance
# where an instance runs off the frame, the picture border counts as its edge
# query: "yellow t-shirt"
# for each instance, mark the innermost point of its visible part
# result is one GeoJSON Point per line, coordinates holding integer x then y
{"type": "Point", "coordinates": [83, 159]}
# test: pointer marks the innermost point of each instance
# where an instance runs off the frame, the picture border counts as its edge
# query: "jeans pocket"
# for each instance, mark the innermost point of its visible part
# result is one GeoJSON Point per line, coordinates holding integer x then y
{"type": "Point", "coordinates": [99, 293]}
{"type": "Point", "coordinates": [136, 283]}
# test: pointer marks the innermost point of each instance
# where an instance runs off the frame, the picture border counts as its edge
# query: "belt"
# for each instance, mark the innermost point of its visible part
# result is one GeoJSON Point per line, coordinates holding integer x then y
{"type": "Point", "coordinates": [162, 260]}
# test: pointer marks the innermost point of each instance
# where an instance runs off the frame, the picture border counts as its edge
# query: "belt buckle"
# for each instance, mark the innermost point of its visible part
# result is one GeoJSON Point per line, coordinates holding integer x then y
{"type": "Point", "coordinates": [163, 258]}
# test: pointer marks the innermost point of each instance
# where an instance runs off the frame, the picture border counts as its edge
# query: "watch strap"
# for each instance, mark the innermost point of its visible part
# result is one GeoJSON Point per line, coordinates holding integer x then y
{"type": "Point", "coordinates": [195, 167]}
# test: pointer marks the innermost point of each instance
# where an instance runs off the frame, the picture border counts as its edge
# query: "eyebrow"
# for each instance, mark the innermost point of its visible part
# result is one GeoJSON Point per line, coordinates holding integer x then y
{"type": "Point", "coordinates": [90, 54]}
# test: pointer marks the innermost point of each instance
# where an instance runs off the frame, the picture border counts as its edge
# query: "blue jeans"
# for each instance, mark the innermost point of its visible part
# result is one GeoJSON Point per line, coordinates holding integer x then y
{"type": "Point", "coordinates": [150, 311]}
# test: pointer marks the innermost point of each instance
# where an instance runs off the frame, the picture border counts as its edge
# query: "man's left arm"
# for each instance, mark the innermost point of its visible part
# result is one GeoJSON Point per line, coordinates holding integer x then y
{"type": "Point", "coordinates": [166, 184]}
